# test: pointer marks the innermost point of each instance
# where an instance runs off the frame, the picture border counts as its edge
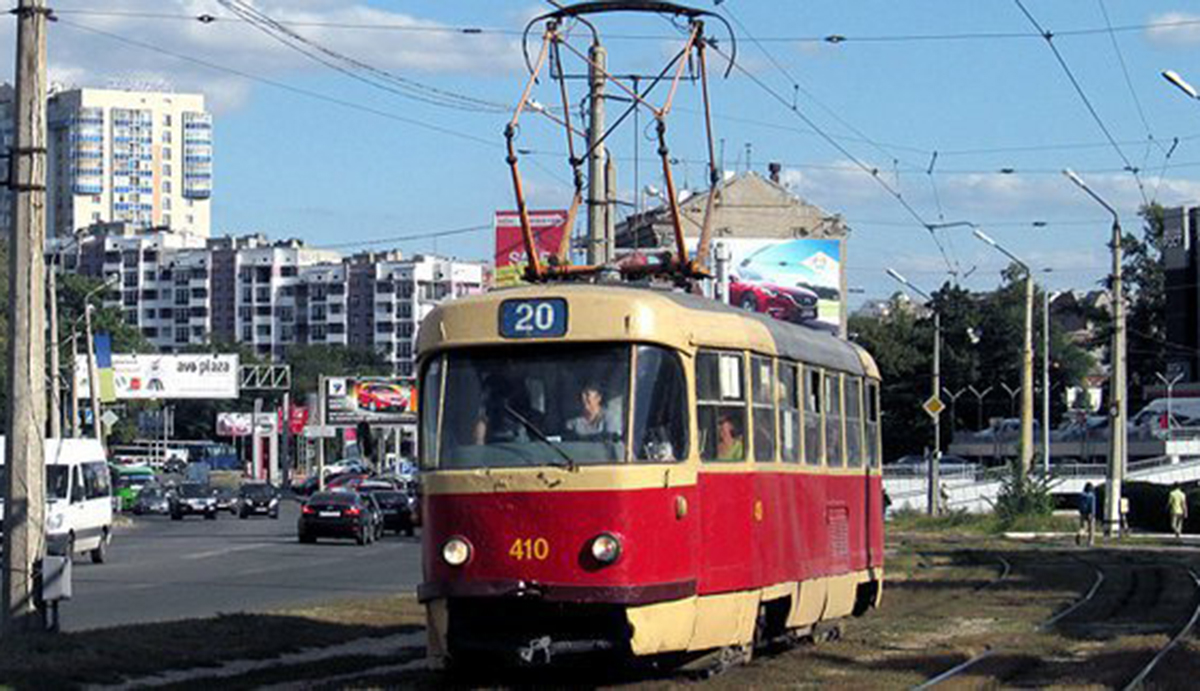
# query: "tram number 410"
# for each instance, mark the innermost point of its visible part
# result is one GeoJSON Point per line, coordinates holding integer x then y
{"type": "Point", "coordinates": [530, 549]}
{"type": "Point", "coordinates": [537, 318]}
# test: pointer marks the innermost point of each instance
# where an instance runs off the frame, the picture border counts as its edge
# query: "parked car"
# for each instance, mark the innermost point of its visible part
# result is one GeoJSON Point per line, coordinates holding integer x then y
{"type": "Point", "coordinates": [345, 465]}
{"type": "Point", "coordinates": [152, 500]}
{"type": "Point", "coordinates": [790, 303]}
{"type": "Point", "coordinates": [382, 397]}
{"type": "Point", "coordinates": [401, 509]}
{"type": "Point", "coordinates": [192, 498]}
{"type": "Point", "coordinates": [948, 465]}
{"type": "Point", "coordinates": [257, 498]}
{"type": "Point", "coordinates": [227, 499]}
{"type": "Point", "coordinates": [336, 514]}
{"type": "Point", "coordinates": [348, 481]}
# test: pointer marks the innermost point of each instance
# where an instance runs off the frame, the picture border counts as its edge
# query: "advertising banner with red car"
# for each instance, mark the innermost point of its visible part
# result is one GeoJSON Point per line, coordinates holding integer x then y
{"type": "Point", "coordinates": [350, 400]}
{"type": "Point", "coordinates": [796, 280]}
{"type": "Point", "coordinates": [548, 228]}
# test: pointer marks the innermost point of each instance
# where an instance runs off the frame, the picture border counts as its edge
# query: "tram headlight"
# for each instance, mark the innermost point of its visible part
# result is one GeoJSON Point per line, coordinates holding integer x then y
{"type": "Point", "coordinates": [606, 548]}
{"type": "Point", "coordinates": [456, 551]}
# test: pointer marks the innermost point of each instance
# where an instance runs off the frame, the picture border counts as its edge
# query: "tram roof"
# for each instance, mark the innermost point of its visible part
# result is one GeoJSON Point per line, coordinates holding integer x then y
{"type": "Point", "coordinates": [792, 341]}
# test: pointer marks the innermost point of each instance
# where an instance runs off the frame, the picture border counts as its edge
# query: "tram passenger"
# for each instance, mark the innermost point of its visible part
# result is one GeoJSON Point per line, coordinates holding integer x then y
{"type": "Point", "coordinates": [729, 438]}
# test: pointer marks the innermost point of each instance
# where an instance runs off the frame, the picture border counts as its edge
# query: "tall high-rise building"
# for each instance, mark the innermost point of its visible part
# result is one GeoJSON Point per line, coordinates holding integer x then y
{"type": "Point", "coordinates": [125, 156]}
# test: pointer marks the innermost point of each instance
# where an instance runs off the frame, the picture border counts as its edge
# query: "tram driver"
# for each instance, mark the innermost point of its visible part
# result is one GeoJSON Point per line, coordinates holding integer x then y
{"type": "Point", "coordinates": [598, 421]}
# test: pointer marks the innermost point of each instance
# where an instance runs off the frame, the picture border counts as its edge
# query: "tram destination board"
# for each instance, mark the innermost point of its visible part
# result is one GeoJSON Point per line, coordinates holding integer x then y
{"type": "Point", "coordinates": [533, 318]}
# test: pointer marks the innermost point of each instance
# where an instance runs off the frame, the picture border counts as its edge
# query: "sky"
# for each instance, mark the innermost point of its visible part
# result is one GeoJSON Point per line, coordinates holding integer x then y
{"type": "Point", "coordinates": [925, 112]}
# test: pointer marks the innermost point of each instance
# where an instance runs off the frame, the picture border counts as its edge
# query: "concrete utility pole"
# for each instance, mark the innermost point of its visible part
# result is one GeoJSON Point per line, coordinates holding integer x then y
{"type": "Point", "coordinates": [93, 373]}
{"type": "Point", "coordinates": [597, 198]}
{"type": "Point", "coordinates": [1026, 450]}
{"type": "Point", "coordinates": [1118, 411]}
{"type": "Point", "coordinates": [25, 488]}
{"type": "Point", "coordinates": [935, 463]}
{"type": "Point", "coordinates": [55, 365]}
{"type": "Point", "coordinates": [1046, 379]}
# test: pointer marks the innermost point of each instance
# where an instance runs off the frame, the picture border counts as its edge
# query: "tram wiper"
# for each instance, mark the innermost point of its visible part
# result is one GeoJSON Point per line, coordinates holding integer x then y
{"type": "Point", "coordinates": [533, 429]}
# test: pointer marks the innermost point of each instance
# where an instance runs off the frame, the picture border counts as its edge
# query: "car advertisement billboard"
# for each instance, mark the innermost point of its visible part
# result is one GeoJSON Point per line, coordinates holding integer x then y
{"type": "Point", "coordinates": [511, 258]}
{"type": "Point", "coordinates": [157, 377]}
{"type": "Point", "coordinates": [349, 401]}
{"type": "Point", "coordinates": [797, 280]}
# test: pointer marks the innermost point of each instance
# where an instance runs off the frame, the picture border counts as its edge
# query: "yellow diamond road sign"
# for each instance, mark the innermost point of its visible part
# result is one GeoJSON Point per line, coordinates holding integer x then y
{"type": "Point", "coordinates": [934, 406]}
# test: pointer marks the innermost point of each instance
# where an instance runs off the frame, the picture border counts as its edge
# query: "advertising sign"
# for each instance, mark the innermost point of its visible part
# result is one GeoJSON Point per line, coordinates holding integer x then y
{"type": "Point", "coordinates": [349, 401]}
{"type": "Point", "coordinates": [796, 280]}
{"type": "Point", "coordinates": [511, 258]}
{"type": "Point", "coordinates": [151, 377]}
{"type": "Point", "coordinates": [234, 424]}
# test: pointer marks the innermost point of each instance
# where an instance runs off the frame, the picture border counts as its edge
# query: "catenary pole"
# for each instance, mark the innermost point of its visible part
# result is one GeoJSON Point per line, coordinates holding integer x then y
{"type": "Point", "coordinates": [597, 198]}
{"type": "Point", "coordinates": [24, 490]}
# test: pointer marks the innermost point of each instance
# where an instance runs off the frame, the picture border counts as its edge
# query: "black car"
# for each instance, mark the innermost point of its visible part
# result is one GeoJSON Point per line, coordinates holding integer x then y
{"type": "Point", "coordinates": [337, 514]}
{"type": "Point", "coordinates": [401, 508]}
{"type": "Point", "coordinates": [151, 499]}
{"type": "Point", "coordinates": [193, 498]}
{"type": "Point", "coordinates": [227, 499]}
{"type": "Point", "coordinates": [257, 498]}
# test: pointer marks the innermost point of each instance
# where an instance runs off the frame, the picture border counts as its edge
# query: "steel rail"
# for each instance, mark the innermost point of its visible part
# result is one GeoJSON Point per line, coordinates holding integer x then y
{"type": "Point", "coordinates": [1141, 677]}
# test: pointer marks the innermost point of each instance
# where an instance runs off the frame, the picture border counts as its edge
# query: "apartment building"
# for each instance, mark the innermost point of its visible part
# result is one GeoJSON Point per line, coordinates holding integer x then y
{"type": "Point", "coordinates": [182, 290]}
{"type": "Point", "coordinates": [121, 155]}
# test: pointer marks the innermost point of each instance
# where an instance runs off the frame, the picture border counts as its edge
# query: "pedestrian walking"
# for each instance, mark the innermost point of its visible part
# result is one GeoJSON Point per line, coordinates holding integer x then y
{"type": "Point", "coordinates": [1087, 516]}
{"type": "Point", "coordinates": [1177, 506]}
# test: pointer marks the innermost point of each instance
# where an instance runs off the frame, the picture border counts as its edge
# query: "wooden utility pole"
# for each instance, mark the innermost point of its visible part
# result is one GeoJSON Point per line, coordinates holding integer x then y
{"type": "Point", "coordinates": [24, 491]}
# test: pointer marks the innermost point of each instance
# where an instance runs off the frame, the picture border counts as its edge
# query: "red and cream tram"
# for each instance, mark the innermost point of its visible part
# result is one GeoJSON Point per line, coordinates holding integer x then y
{"type": "Point", "coordinates": [640, 471]}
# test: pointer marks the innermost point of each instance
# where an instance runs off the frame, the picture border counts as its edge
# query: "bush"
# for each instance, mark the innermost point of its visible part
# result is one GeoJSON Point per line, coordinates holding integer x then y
{"type": "Point", "coordinates": [1023, 499]}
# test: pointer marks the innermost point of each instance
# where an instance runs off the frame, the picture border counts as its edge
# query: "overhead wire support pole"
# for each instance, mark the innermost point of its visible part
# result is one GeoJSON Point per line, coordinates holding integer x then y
{"type": "Point", "coordinates": [25, 485]}
{"type": "Point", "coordinates": [598, 61]}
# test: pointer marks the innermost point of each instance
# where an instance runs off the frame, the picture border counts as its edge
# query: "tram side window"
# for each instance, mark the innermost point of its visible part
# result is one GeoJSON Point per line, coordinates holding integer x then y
{"type": "Point", "coordinates": [721, 406]}
{"type": "Point", "coordinates": [431, 394]}
{"type": "Point", "coordinates": [833, 419]}
{"type": "Point", "coordinates": [660, 422]}
{"type": "Point", "coordinates": [873, 423]}
{"type": "Point", "coordinates": [763, 401]}
{"type": "Point", "coordinates": [789, 414]}
{"type": "Point", "coordinates": [854, 421]}
{"type": "Point", "coordinates": [813, 432]}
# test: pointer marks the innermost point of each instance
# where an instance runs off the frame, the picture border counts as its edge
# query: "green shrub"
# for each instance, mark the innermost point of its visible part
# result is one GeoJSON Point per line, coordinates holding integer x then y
{"type": "Point", "coordinates": [1023, 499]}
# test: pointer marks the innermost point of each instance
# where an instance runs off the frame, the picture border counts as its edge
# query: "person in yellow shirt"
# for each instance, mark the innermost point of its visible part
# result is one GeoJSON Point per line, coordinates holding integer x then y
{"type": "Point", "coordinates": [1177, 506]}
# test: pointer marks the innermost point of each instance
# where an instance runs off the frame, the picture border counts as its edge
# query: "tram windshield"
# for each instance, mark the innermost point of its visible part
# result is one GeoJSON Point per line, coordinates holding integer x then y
{"type": "Point", "coordinates": [558, 404]}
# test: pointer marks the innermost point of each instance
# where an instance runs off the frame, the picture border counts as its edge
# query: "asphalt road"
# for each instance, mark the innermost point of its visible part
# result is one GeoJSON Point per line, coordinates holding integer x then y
{"type": "Point", "coordinates": [164, 570]}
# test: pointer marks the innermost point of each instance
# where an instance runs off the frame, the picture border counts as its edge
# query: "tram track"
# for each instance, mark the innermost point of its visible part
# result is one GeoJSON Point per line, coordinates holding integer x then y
{"type": "Point", "coordinates": [1134, 599]}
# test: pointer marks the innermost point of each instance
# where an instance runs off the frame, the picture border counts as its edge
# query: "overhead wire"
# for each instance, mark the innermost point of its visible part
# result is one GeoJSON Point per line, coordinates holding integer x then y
{"type": "Point", "coordinates": [832, 38]}
{"type": "Point", "coordinates": [1062, 62]}
{"type": "Point", "coordinates": [354, 68]}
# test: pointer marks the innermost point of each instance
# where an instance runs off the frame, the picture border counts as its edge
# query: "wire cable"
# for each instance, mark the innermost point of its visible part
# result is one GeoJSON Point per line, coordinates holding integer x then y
{"type": "Point", "coordinates": [1049, 37]}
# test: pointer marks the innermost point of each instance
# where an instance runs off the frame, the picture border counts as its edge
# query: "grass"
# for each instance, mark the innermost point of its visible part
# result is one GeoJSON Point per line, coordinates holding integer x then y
{"type": "Point", "coordinates": [961, 523]}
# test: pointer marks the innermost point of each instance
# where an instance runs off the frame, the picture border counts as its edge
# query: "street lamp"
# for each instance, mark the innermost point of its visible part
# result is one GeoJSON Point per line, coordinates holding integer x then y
{"type": "Point", "coordinates": [93, 370]}
{"type": "Point", "coordinates": [935, 462]}
{"type": "Point", "coordinates": [1118, 413]}
{"type": "Point", "coordinates": [1026, 452]}
{"type": "Point", "coordinates": [1173, 77]}
{"type": "Point", "coordinates": [1170, 384]}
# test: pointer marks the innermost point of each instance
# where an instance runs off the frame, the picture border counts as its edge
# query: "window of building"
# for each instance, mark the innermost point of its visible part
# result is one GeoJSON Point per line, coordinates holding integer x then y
{"type": "Point", "coordinates": [166, 136]}
{"type": "Point", "coordinates": [263, 330]}
{"type": "Point", "coordinates": [166, 219]}
{"type": "Point", "coordinates": [166, 153]}
{"type": "Point", "coordinates": [383, 327]}
{"type": "Point", "coordinates": [721, 406]}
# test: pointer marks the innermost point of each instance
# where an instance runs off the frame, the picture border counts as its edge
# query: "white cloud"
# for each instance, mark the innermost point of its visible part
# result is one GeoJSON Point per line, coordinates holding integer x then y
{"type": "Point", "coordinates": [1176, 29]}
{"type": "Point", "coordinates": [80, 57]}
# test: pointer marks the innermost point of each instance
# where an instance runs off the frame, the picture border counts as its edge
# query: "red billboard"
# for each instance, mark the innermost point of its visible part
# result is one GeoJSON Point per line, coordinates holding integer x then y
{"type": "Point", "coordinates": [548, 228]}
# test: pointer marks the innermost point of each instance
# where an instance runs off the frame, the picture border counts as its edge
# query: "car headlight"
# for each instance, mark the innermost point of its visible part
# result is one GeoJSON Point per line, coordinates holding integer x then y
{"type": "Point", "coordinates": [456, 551]}
{"type": "Point", "coordinates": [274, 502]}
{"type": "Point", "coordinates": [54, 522]}
{"type": "Point", "coordinates": [606, 548]}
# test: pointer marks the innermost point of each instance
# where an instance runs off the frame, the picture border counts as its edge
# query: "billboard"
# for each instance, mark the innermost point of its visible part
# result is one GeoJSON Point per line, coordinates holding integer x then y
{"type": "Point", "coordinates": [797, 280]}
{"type": "Point", "coordinates": [234, 424]}
{"type": "Point", "coordinates": [511, 258]}
{"type": "Point", "coordinates": [351, 400]}
{"type": "Point", "coordinates": [153, 377]}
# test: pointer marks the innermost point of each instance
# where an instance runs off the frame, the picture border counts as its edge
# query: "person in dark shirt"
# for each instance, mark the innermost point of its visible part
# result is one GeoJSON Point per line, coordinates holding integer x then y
{"type": "Point", "coordinates": [1087, 515]}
